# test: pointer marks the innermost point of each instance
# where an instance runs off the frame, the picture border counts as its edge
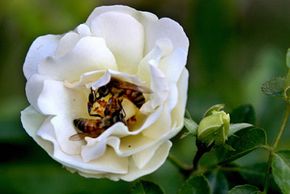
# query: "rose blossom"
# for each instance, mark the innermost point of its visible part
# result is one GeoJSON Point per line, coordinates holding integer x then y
{"type": "Point", "coordinates": [115, 42]}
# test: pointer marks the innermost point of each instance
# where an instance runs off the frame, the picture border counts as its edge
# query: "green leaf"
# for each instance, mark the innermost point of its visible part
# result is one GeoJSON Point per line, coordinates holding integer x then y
{"type": "Point", "coordinates": [244, 189]}
{"type": "Point", "coordinates": [281, 170]}
{"type": "Point", "coordinates": [274, 87]}
{"type": "Point", "coordinates": [255, 174]}
{"type": "Point", "coordinates": [146, 187]}
{"type": "Point", "coordinates": [195, 185]}
{"type": "Point", "coordinates": [218, 182]}
{"type": "Point", "coordinates": [237, 127]}
{"type": "Point", "coordinates": [242, 142]}
{"type": "Point", "coordinates": [187, 114]}
{"type": "Point", "coordinates": [190, 125]}
{"type": "Point", "coordinates": [243, 114]}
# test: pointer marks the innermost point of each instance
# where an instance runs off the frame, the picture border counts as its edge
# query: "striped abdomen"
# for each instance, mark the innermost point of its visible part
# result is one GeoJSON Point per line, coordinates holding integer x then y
{"type": "Point", "coordinates": [136, 97]}
{"type": "Point", "coordinates": [90, 127]}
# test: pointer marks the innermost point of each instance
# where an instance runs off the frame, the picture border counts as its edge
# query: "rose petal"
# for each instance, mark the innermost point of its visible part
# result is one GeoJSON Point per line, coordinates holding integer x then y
{"type": "Point", "coordinates": [96, 147]}
{"type": "Point", "coordinates": [143, 157]}
{"type": "Point", "coordinates": [162, 48]}
{"type": "Point", "coordinates": [166, 28]}
{"type": "Point", "coordinates": [67, 43]}
{"type": "Point", "coordinates": [33, 89]}
{"type": "Point", "coordinates": [31, 121]}
{"type": "Point", "coordinates": [172, 97]}
{"type": "Point", "coordinates": [178, 112]}
{"type": "Point", "coordinates": [56, 99]}
{"type": "Point", "coordinates": [108, 162]}
{"type": "Point", "coordinates": [173, 65]}
{"type": "Point", "coordinates": [157, 160]}
{"type": "Point", "coordinates": [161, 127]}
{"type": "Point", "coordinates": [90, 53]}
{"type": "Point", "coordinates": [87, 78]}
{"type": "Point", "coordinates": [143, 17]}
{"type": "Point", "coordinates": [63, 127]}
{"type": "Point", "coordinates": [84, 30]}
{"type": "Point", "coordinates": [41, 48]}
{"type": "Point", "coordinates": [124, 36]}
{"type": "Point", "coordinates": [93, 150]}
{"type": "Point", "coordinates": [159, 86]}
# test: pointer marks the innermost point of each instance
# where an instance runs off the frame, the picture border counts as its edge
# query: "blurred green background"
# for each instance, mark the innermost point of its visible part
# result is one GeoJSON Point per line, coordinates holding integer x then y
{"type": "Point", "coordinates": [235, 47]}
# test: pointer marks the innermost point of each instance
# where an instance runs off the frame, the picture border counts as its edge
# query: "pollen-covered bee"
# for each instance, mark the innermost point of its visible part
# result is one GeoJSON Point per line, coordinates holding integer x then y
{"type": "Point", "coordinates": [113, 113]}
{"type": "Point", "coordinates": [105, 104]}
{"type": "Point", "coordinates": [122, 89]}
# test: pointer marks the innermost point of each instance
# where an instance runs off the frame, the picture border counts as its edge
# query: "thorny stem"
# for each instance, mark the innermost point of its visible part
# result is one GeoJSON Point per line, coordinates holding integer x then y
{"type": "Point", "coordinates": [273, 148]}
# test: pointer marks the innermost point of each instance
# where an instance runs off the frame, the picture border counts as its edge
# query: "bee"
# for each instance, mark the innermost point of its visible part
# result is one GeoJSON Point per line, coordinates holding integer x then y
{"type": "Point", "coordinates": [105, 104]}
{"type": "Point", "coordinates": [88, 128]}
{"type": "Point", "coordinates": [123, 89]}
{"type": "Point", "coordinates": [113, 112]}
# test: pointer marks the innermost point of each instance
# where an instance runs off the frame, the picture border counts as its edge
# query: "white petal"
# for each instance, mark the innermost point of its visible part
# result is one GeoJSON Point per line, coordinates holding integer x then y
{"type": "Point", "coordinates": [173, 65]}
{"type": "Point", "coordinates": [161, 127]}
{"type": "Point", "coordinates": [64, 129]}
{"type": "Point", "coordinates": [172, 97]}
{"type": "Point", "coordinates": [87, 78]}
{"type": "Point", "coordinates": [162, 48]}
{"type": "Point", "coordinates": [159, 86]}
{"type": "Point", "coordinates": [96, 147]}
{"type": "Point", "coordinates": [31, 121]}
{"type": "Point", "coordinates": [41, 48]}
{"type": "Point", "coordinates": [178, 112]}
{"type": "Point", "coordinates": [89, 54]}
{"type": "Point", "coordinates": [131, 144]}
{"type": "Point", "coordinates": [67, 43]}
{"type": "Point", "coordinates": [141, 16]}
{"type": "Point", "coordinates": [143, 157]}
{"type": "Point", "coordinates": [93, 150]}
{"type": "Point", "coordinates": [56, 99]}
{"type": "Point", "coordinates": [124, 36]}
{"type": "Point", "coordinates": [33, 89]}
{"type": "Point", "coordinates": [157, 160]}
{"type": "Point", "coordinates": [108, 163]}
{"type": "Point", "coordinates": [166, 28]}
{"type": "Point", "coordinates": [84, 30]}
{"type": "Point", "coordinates": [116, 74]}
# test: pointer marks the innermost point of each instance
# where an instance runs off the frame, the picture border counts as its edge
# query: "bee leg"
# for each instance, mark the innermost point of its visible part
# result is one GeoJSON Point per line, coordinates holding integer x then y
{"type": "Point", "coordinates": [122, 114]}
{"type": "Point", "coordinates": [95, 115]}
{"type": "Point", "coordinates": [91, 100]}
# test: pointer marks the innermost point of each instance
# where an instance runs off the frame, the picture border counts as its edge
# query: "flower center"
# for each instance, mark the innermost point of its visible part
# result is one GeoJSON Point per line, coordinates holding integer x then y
{"type": "Point", "coordinates": [117, 101]}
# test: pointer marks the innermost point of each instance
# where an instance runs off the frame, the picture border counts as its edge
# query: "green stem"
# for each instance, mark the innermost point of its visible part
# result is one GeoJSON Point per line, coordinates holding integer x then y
{"type": "Point", "coordinates": [183, 168]}
{"type": "Point", "coordinates": [202, 148]}
{"type": "Point", "coordinates": [187, 170]}
{"type": "Point", "coordinates": [274, 147]}
{"type": "Point", "coordinates": [282, 128]}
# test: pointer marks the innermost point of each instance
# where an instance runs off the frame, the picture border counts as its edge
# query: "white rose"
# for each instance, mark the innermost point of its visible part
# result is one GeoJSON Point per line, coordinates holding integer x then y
{"type": "Point", "coordinates": [119, 42]}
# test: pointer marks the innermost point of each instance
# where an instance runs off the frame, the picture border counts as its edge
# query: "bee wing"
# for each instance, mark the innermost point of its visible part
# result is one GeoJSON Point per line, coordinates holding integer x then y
{"type": "Point", "coordinates": [78, 137]}
{"type": "Point", "coordinates": [129, 86]}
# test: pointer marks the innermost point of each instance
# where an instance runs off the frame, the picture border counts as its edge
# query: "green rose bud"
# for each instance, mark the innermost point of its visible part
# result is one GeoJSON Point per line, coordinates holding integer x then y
{"type": "Point", "coordinates": [214, 127]}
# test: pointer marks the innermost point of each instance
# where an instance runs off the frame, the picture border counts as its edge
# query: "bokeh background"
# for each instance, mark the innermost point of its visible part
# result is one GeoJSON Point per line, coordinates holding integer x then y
{"type": "Point", "coordinates": [235, 47]}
